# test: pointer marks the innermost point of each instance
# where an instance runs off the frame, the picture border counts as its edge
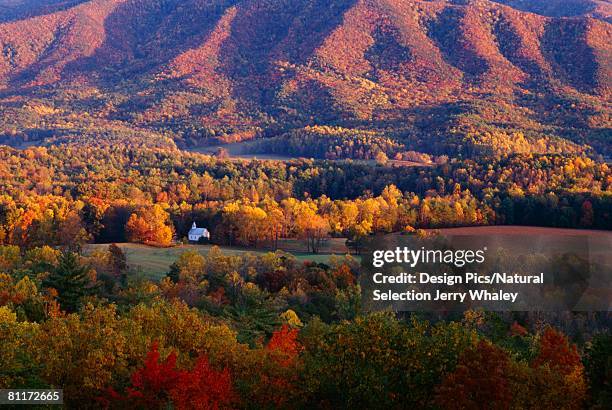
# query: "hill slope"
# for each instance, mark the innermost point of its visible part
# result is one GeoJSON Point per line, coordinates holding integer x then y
{"type": "Point", "coordinates": [435, 75]}
{"type": "Point", "coordinates": [601, 9]}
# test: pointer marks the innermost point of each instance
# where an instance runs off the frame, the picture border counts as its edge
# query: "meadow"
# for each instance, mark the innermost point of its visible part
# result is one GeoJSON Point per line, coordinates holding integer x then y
{"type": "Point", "coordinates": [154, 262]}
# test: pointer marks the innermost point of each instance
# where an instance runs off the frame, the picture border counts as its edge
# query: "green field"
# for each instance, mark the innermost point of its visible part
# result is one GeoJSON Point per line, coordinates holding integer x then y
{"type": "Point", "coordinates": [155, 262]}
{"type": "Point", "coordinates": [241, 151]}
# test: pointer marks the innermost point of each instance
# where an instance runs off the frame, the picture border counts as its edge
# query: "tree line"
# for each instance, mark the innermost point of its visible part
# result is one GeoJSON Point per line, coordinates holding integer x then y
{"type": "Point", "coordinates": [69, 195]}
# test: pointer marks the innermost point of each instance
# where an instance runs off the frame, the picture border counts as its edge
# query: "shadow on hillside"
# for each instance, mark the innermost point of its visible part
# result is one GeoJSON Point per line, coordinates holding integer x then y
{"type": "Point", "coordinates": [141, 42]}
{"type": "Point", "coordinates": [284, 30]}
{"type": "Point", "coordinates": [446, 32]}
{"type": "Point", "coordinates": [573, 60]}
{"type": "Point", "coordinates": [31, 8]}
{"type": "Point", "coordinates": [141, 39]}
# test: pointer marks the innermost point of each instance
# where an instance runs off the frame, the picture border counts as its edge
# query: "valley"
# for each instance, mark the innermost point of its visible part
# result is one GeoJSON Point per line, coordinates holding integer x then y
{"type": "Point", "coordinates": [320, 128]}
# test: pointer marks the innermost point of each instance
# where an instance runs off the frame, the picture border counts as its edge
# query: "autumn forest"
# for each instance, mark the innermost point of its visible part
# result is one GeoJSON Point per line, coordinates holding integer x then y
{"type": "Point", "coordinates": [294, 131]}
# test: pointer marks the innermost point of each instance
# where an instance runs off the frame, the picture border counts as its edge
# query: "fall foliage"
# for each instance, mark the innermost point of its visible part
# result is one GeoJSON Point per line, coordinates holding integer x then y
{"type": "Point", "coordinates": [130, 120]}
{"type": "Point", "coordinates": [160, 381]}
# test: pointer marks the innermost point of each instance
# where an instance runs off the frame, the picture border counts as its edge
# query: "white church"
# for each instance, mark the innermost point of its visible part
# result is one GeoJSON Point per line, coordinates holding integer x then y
{"type": "Point", "coordinates": [195, 233]}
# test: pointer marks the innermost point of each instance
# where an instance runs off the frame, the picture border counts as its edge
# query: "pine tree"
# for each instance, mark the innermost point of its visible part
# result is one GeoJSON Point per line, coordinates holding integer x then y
{"type": "Point", "coordinates": [118, 263]}
{"type": "Point", "coordinates": [70, 280]}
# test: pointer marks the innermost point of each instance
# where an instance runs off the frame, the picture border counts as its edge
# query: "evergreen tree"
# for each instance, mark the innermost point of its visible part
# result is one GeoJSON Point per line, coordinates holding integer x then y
{"type": "Point", "coordinates": [118, 262]}
{"type": "Point", "coordinates": [598, 364]}
{"type": "Point", "coordinates": [174, 273]}
{"type": "Point", "coordinates": [70, 280]}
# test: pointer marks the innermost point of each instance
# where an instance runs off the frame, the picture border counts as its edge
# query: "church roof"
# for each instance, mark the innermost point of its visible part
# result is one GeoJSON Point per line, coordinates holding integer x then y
{"type": "Point", "coordinates": [197, 231]}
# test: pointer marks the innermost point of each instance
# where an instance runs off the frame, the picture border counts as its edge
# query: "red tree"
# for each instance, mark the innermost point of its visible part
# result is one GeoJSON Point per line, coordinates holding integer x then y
{"type": "Point", "coordinates": [557, 352]}
{"type": "Point", "coordinates": [150, 384]}
{"type": "Point", "coordinates": [203, 388]}
{"type": "Point", "coordinates": [284, 341]}
{"type": "Point", "coordinates": [480, 379]}
{"type": "Point", "coordinates": [160, 382]}
{"type": "Point", "coordinates": [277, 385]}
{"type": "Point", "coordinates": [518, 330]}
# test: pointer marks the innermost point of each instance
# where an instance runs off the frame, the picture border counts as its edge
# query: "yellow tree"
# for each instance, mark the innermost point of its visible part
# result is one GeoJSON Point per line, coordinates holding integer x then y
{"type": "Point", "coordinates": [15, 361]}
{"type": "Point", "coordinates": [316, 231]}
{"type": "Point", "coordinates": [274, 221]}
{"type": "Point", "coordinates": [252, 224]}
{"type": "Point", "coordinates": [308, 224]}
{"type": "Point", "coordinates": [83, 356]}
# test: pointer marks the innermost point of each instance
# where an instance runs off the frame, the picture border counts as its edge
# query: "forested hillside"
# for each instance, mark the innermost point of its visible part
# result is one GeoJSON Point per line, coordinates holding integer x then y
{"type": "Point", "coordinates": [437, 76]}
{"type": "Point", "coordinates": [564, 8]}
{"type": "Point", "coordinates": [379, 118]}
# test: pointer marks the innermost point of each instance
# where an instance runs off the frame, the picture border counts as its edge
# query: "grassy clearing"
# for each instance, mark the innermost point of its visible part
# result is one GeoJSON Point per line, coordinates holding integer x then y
{"type": "Point", "coordinates": [155, 262]}
{"type": "Point", "coordinates": [241, 151]}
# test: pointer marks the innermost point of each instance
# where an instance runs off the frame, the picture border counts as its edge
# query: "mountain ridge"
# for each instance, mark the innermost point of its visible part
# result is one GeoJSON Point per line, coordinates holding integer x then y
{"type": "Point", "coordinates": [234, 70]}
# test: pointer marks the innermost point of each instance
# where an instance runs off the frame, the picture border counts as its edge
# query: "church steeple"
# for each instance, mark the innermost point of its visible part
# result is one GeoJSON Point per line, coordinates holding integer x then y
{"type": "Point", "coordinates": [193, 226]}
